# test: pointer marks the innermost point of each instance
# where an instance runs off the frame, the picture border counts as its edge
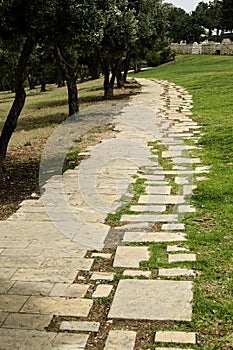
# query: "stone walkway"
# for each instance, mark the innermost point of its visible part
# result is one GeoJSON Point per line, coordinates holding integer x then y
{"type": "Point", "coordinates": [68, 280]}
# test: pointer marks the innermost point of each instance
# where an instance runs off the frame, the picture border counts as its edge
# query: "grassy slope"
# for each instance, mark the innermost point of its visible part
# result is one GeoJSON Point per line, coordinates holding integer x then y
{"type": "Point", "coordinates": [209, 79]}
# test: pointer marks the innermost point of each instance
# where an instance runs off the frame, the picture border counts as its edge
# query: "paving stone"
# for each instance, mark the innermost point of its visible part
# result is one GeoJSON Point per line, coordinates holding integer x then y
{"type": "Point", "coordinates": [74, 263]}
{"type": "Point", "coordinates": [182, 180]}
{"type": "Point", "coordinates": [16, 244]}
{"type": "Point", "coordinates": [176, 272]}
{"type": "Point", "coordinates": [148, 208]}
{"type": "Point", "coordinates": [7, 272]}
{"type": "Point", "coordinates": [25, 340]}
{"type": "Point", "coordinates": [102, 291]}
{"type": "Point", "coordinates": [186, 209]}
{"type": "Point", "coordinates": [201, 178]}
{"type": "Point", "coordinates": [64, 341]}
{"type": "Point", "coordinates": [175, 337]}
{"type": "Point", "coordinates": [150, 218]}
{"type": "Point", "coordinates": [171, 154]}
{"type": "Point", "coordinates": [64, 251]}
{"type": "Point", "coordinates": [181, 147]}
{"type": "Point", "coordinates": [175, 172]}
{"type": "Point", "coordinates": [181, 257]}
{"type": "Point", "coordinates": [20, 262]}
{"type": "Point", "coordinates": [152, 300]}
{"type": "Point", "coordinates": [84, 326]}
{"type": "Point", "coordinates": [5, 286]}
{"type": "Point", "coordinates": [22, 252]}
{"type": "Point", "coordinates": [130, 256]}
{"type": "Point", "coordinates": [108, 276]}
{"type": "Point", "coordinates": [175, 248]}
{"type": "Point", "coordinates": [188, 189]}
{"type": "Point", "coordinates": [156, 183]}
{"type": "Point", "coordinates": [138, 225]}
{"type": "Point", "coordinates": [57, 306]}
{"type": "Point", "coordinates": [173, 227]}
{"type": "Point", "coordinates": [153, 237]}
{"type": "Point", "coordinates": [120, 340]}
{"type": "Point", "coordinates": [12, 303]}
{"type": "Point", "coordinates": [137, 273]}
{"type": "Point", "coordinates": [65, 274]}
{"type": "Point", "coordinates": [31, 288]}
{"type": "Point", "coordinates": [101, 255]}
{"type": "Point", "coordinates": [161, 199]}
{"type": "Point", "coordinates": [158, 189]}
{"type": "Point", "coordinates": [3, 316]}
{"type": "Point", "coordinates": [153, 177]}
{"type": "Point", "coordinates": [69, 290]}
{"type": "Point", "coordinates": [27, 321]}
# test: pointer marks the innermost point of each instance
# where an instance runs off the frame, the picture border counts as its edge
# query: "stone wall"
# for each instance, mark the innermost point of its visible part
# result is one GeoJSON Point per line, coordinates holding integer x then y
{"type": "Point", "coordinates": [205, 48]}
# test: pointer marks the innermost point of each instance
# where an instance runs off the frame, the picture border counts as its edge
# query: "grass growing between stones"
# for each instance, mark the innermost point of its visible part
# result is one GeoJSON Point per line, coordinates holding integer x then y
{"type": "Point", "coordinates": [136, 189]}
{"type": "Point", "coordinates": [210, 233]}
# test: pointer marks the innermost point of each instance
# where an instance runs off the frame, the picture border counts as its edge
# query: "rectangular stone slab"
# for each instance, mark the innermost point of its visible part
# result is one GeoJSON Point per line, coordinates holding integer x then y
{"type": "Point", "coordinates": [152, 300]}
{"type": "Point", "coordinates": [175, 337]}
{"type": "Point", "coordinates": [57, 306]}
{"type": "Point", "coordinates": [153, 237]}
{"type": "Point", "coordinates": [161, 199]}
{"type": "Point", "coordinates": [150, 218]}
{"type": "Point", "coordinates": [130, 256]}
{"type": "Point", "coordinates": [120, 340]}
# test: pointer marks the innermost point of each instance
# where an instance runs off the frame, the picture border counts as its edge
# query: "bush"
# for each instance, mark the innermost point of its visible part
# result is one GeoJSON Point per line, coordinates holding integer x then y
{"type": "Point", "coordinates": [166, 55]}
{"type": "Point", "coordinates": [154, 58]}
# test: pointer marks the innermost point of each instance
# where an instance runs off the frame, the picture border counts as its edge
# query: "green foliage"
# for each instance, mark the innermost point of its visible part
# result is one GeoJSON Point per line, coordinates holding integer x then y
{"type": "Point", "coordinates": [227, 16]}
{"type": "Point", "coordinates": [154, 59]}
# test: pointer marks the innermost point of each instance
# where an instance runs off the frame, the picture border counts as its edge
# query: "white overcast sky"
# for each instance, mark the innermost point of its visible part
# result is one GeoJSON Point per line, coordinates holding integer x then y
{"type": "Point", "coordinates": [187, 5]}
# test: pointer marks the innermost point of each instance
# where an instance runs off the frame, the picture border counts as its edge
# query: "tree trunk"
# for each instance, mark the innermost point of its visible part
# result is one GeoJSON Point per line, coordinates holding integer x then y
{"type": "Point", "coordinates": [108, 85]}
{"type": "Point", "coordinates": [120, 80]}
{"type": "Point", "coordinates": [43, 86]}
{"type": "Point", "coordinates": [126, 66]}
{"type": "Point", "coordinates": [71, 79]}
{"type": "Point", "coordinates": [60, 79]}
{"type": "Point", "coordinates": [42, 83]}
{"type": "Point", "coordinates": [20, 97]}
{"type": "Point", "coordinates": [31, 81]}
{"type": "Point", "coordinates": [72, 92]}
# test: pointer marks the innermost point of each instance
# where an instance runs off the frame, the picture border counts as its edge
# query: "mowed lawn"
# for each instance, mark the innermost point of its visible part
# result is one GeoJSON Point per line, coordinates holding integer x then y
{"type": "Point", "coordinates": [210, 80]}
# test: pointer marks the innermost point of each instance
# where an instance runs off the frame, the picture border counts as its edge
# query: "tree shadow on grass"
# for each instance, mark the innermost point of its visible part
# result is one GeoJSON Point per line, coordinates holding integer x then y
{"type": "Point", "coordinates": [50, 104]}
{"type": "Point", "coordinates": [31, 123]}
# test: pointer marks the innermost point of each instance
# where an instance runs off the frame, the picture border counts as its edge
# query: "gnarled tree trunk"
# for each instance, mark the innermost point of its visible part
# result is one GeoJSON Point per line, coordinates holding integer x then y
{"type": "Point", "coordinates": [19, 101]}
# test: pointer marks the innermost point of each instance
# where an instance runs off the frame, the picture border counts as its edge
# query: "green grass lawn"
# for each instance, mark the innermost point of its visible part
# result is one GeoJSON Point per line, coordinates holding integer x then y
{"type": "Point", "coordinates": [209, 79]}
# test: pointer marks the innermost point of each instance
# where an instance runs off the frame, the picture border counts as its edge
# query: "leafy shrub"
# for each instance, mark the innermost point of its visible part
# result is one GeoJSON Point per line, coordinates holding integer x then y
{"type": "Point", "coordinates": [154, 58]}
